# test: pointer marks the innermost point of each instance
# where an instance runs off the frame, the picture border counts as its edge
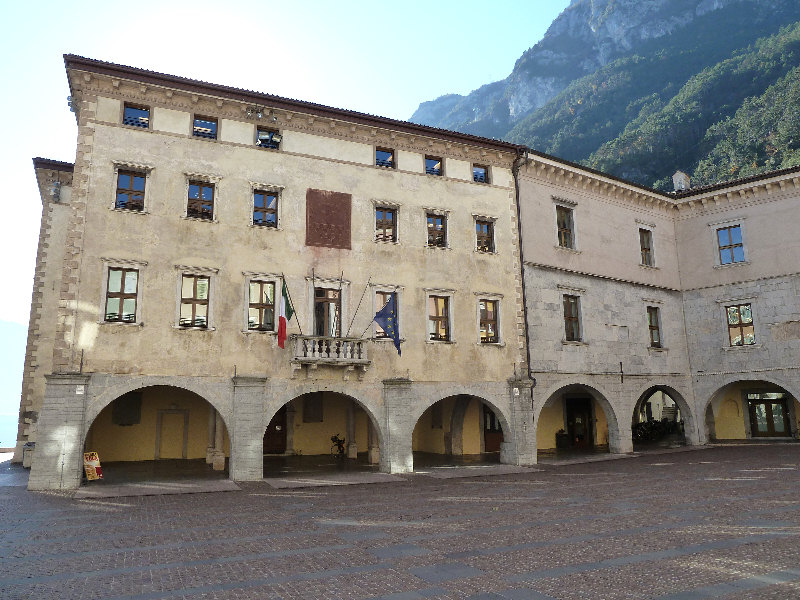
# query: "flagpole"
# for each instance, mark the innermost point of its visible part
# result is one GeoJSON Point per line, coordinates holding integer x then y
{"type": "Point", "coordinates": [288, 293]}
{"type": "Point", "coordinates": [357, 307]}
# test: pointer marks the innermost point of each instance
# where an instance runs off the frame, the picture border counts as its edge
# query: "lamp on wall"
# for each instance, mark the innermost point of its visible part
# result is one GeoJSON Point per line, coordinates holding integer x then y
{"type": "Point", "coordinates": [259, 112]}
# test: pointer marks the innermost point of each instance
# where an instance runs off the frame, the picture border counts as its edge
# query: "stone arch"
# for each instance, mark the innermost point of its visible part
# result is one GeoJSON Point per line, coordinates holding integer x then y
{"type": "Point", "coordinates": [736, 410]}
{"type": "Point", "coordinates": [618, 440]}
{"type": "Point", "coordinates": [690, 424]}
{"type": "Point", "coordinates": [108, 395]}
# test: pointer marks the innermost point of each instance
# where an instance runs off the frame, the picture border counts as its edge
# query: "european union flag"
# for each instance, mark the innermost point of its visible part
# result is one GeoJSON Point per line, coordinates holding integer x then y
{"type": "Point", "coordinates": [387, 319]}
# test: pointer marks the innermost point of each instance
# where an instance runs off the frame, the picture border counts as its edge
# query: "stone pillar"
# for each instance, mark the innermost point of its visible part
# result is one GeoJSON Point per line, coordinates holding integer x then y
{"type": "Point", "coordinates": [372, 443]}
{"type": "Point", "coordinates": [396, 455]}
{"type": "Point", "coordinates": [58, 457]}
{"type": "Point", "coordinates": [352, 446]}
{"type": "Point", "coordinates": [620, 439]}
{"type": "Point", "coordinates": [520, 447]}
{"type": "Point", "coordinates": [247, 430]}
{"type": "Point", "coordinates": [212, 425]}
{"type": "Point", "coordinates": [219, 444]}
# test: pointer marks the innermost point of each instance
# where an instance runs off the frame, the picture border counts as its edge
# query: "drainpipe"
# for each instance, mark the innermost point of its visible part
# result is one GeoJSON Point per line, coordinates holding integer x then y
{"type": "Point", "coordinates": [519, 161]}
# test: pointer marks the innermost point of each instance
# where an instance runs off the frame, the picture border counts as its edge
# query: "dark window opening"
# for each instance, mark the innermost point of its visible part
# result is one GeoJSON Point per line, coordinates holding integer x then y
{"type": "Point", "coordinates": [433, 165]}
{"type": "Point", "coordinates": [741, 329]}
{"type": "Point", "coordinates": [646, 246]}
{"type": "Point", "coordinates": [200, 203]}
{"type": "Point", "coordinates": [565, 227]}
{"type": "Point", "coordinates": [437, 233]}
{"type": "Point", "coordinates": [385, 224]}
{"type": "Point", "coordinates": [484, 231]}
{"type": "Point", "coordinates": [205, 127]}
{"type": "Point", "coordinates": [327, 312]}
{"type": "Point", "coordinates": [136, 116]}
{"type": "Point", "coordinates": [480, 174]}
{"type": "Point", "coordinates": [654, 326]}
{"type": "Point", "coordinates": [268, 138]}
{"type": "Point", "coordinates": [731, 247]}
{"type": "Point", "coordinates": [130, 191]}
{"type": "Point", "coordinates": [127, 410]}
{"type": "Point", "coordinates": [384, 157]}
{"type": "Point", "coordinates": [265, 208]}
{"type": "Point", "coordinates": [381, 298]}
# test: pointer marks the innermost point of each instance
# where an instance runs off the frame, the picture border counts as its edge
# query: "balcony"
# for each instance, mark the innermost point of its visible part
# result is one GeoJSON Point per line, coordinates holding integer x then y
{"type": "Point", "coordinates": [315, 350]}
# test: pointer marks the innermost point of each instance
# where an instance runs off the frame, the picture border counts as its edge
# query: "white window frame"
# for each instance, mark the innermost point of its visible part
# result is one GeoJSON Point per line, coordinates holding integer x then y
{"type": "Point", "coordinates": [209, 272]}
{"type": "Point", "coordinates": [121, 263]}
{"type": "Point", "coordinates": [572, 206]}
{"type": "Point", "coordinates": [442, 213]}
{"type": "Point", "coordinates": [494, 297]}
{"type": "Point", "coordinates": [256, 186]}
{"type": "Point", "coordinates": [204, 178]}
{"type": "Point", "coordinates": [144, 169]}
{"type": "Point", "coordinates": [328, 284]}
{"type": "Point", "coordinates": [450, 295]}
{"type": "Point", "coordinates": [273, 278]}
{"type": "Point", "coordinates": [387, 288]}
{"type": "Point", "coordinates": [376, 204]}
{"type": "Point", "coordinates": [714, 227]}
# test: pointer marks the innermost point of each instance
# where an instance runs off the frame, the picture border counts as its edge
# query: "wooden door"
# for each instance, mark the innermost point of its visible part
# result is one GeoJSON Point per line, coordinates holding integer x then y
{"type": "Point", "coordinates": [275, 435]}
{"type": "Point", "coordinates": [769, 418]}
{"type": "Point", "coordinates": [492, 431]}
{"type": "Point", "coordinates": [579, 422]}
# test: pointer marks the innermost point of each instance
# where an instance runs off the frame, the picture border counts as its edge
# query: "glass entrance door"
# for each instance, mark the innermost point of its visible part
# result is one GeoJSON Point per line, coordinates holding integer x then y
{"type": "Point", "coordinates": [769, 416]}
{"type": "Point", "coordinates": [327, 310]}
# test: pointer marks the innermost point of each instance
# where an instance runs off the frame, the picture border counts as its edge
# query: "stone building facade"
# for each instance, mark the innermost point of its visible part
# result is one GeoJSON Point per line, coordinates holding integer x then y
{"type": "Point", "coordinates": [165, 248]}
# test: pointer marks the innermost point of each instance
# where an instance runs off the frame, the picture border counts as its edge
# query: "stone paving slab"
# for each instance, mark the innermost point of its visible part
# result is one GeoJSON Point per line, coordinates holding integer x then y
{"type": "Point", "coordinates": [454, 472]}
{"type": "Point", "coordinates": [100, 490]}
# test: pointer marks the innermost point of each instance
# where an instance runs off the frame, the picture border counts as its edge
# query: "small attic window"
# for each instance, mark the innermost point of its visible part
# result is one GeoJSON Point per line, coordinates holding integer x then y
{"type": "Point", "coordinates": [136, 116]}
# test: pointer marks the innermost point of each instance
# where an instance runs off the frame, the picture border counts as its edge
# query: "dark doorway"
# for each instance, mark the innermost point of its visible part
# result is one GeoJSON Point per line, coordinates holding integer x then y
{"type": "Point", "coordinates": [769, 414]}
{"type": "Point", "coordinates": [579, 422]}
{"type": "Point", "coordinates": [492, 431]}
{"type": "Point", "coordinates": [275, 436]}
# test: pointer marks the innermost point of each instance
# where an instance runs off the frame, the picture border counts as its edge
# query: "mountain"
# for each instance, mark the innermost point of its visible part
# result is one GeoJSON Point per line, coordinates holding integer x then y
{"type": "Point", "coordinates": [638, 88]}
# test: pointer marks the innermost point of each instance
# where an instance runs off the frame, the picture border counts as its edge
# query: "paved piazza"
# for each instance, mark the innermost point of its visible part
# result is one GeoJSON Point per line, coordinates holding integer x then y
{"type": "Point", "coordinates": [721, 522]}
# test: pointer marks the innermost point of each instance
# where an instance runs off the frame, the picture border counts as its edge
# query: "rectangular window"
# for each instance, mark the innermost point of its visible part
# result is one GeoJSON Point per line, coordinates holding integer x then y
{"type": "Point", "coordinates": [136, 116]}
{"type": "Point", "coordinates": [566, 237]}
{"type": "Point", "coordinates": [433, 165]}
{"type": "Point", "coordinates": [439, 318]}
{"type": "Point", "coordinates": [200, 204]}
{"type": "Point", "coordinates": [123, 285]}
{"type": "Point", "coordinates": [488, 321]}
{"type": "Point", "coordinates": [381, 298]}
{"type": "Point", "coordinates": [384, 157]}
{"type": "Point", "coordinates": [265, 208]}
{"type": "Point", "coordinates": [437, 232]}
{"type": "Point", "coordinates": [480, 174]}
{"type": "Point", "coordinates": [572, 324]}
{"type": "Point", "coordinates": [653, 324]}
{"type": "Point", "coordinates": [731, 247]}
{"type": "Point", "coordinates": [646, 246]}
{"type": "Point", "coordinates": [261, 312]}
{"type": "Point", "coordinates": [194, 301]}
{"type": "Point", "coordinates": [385, 224]}
{"type": "Point", "coordinates": [205, 127]}
{"type": "Point", "coordinates": [741, 330]}
{"type": "Point", "coordinates": [484, 233]}
{"type": "Point", "coordinates": [130, 190]}
{"type": "Point", "coordinates": [268, 138]}
{"type": "Point", "coordinates": [327, 312]}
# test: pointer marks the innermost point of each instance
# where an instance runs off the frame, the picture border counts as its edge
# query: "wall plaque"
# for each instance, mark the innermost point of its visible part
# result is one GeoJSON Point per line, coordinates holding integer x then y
{"type": "Point", "coordinates": [328, 219]}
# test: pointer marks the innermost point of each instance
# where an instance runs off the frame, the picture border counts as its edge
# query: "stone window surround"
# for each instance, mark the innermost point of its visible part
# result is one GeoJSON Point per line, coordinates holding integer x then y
{"type": "Point", "coordinates": [731, 222]}
{"type": "Point", "coordinates": [568, 290]}
{"type": "Point", "coordinates": [376, 204]}
{"type": "Point", "coordinates": [640, 224]}
{"type": "Point", "coordinates": [499, 299]}
{"type": "Point", "coordinates": [396, 289]}
{"type": "Point", "coordinates": [493, 220]}
{"type": "Point", "coordinates": [144, 169]}
{"type": "Point", "coordinates": [256, 186]}
{"type": "Point", "coordinates": [450, 295]}
{"type": "Point", "coordinates": [121, 263]}
{"type": "Point", "coordinates": [276, 280]}
{"type": "Point", "coordinates": [211, 273]}
{"type": "Point", "coordinates": [442, 213]}
{"type": "Point", "coordinates": [328, 284]}
{"type": "Point", "coordinates": [724, 303]}
{"type": "Point", "coordinates": [203, 178]}
{"type": "Point", "coordinates": [572, 205]}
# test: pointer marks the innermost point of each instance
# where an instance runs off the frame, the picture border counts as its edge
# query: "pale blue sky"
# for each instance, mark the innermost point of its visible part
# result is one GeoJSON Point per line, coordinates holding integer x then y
{"type": "Point", "coordinates": [378, 58]}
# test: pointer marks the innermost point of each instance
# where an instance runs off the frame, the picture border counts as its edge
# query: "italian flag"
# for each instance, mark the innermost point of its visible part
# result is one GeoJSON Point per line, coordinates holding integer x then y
{"type": "Point", "coordinates": [285, 312]}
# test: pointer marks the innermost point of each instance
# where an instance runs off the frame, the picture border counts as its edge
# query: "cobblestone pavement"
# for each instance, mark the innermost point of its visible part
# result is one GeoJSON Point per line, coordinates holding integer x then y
{"type": "Point", "coordinates": [717, 523]}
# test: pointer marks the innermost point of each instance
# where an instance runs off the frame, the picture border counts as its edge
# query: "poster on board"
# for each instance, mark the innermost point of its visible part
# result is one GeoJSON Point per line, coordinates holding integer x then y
{"type": "Point", "coordinates": [91, 464]}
